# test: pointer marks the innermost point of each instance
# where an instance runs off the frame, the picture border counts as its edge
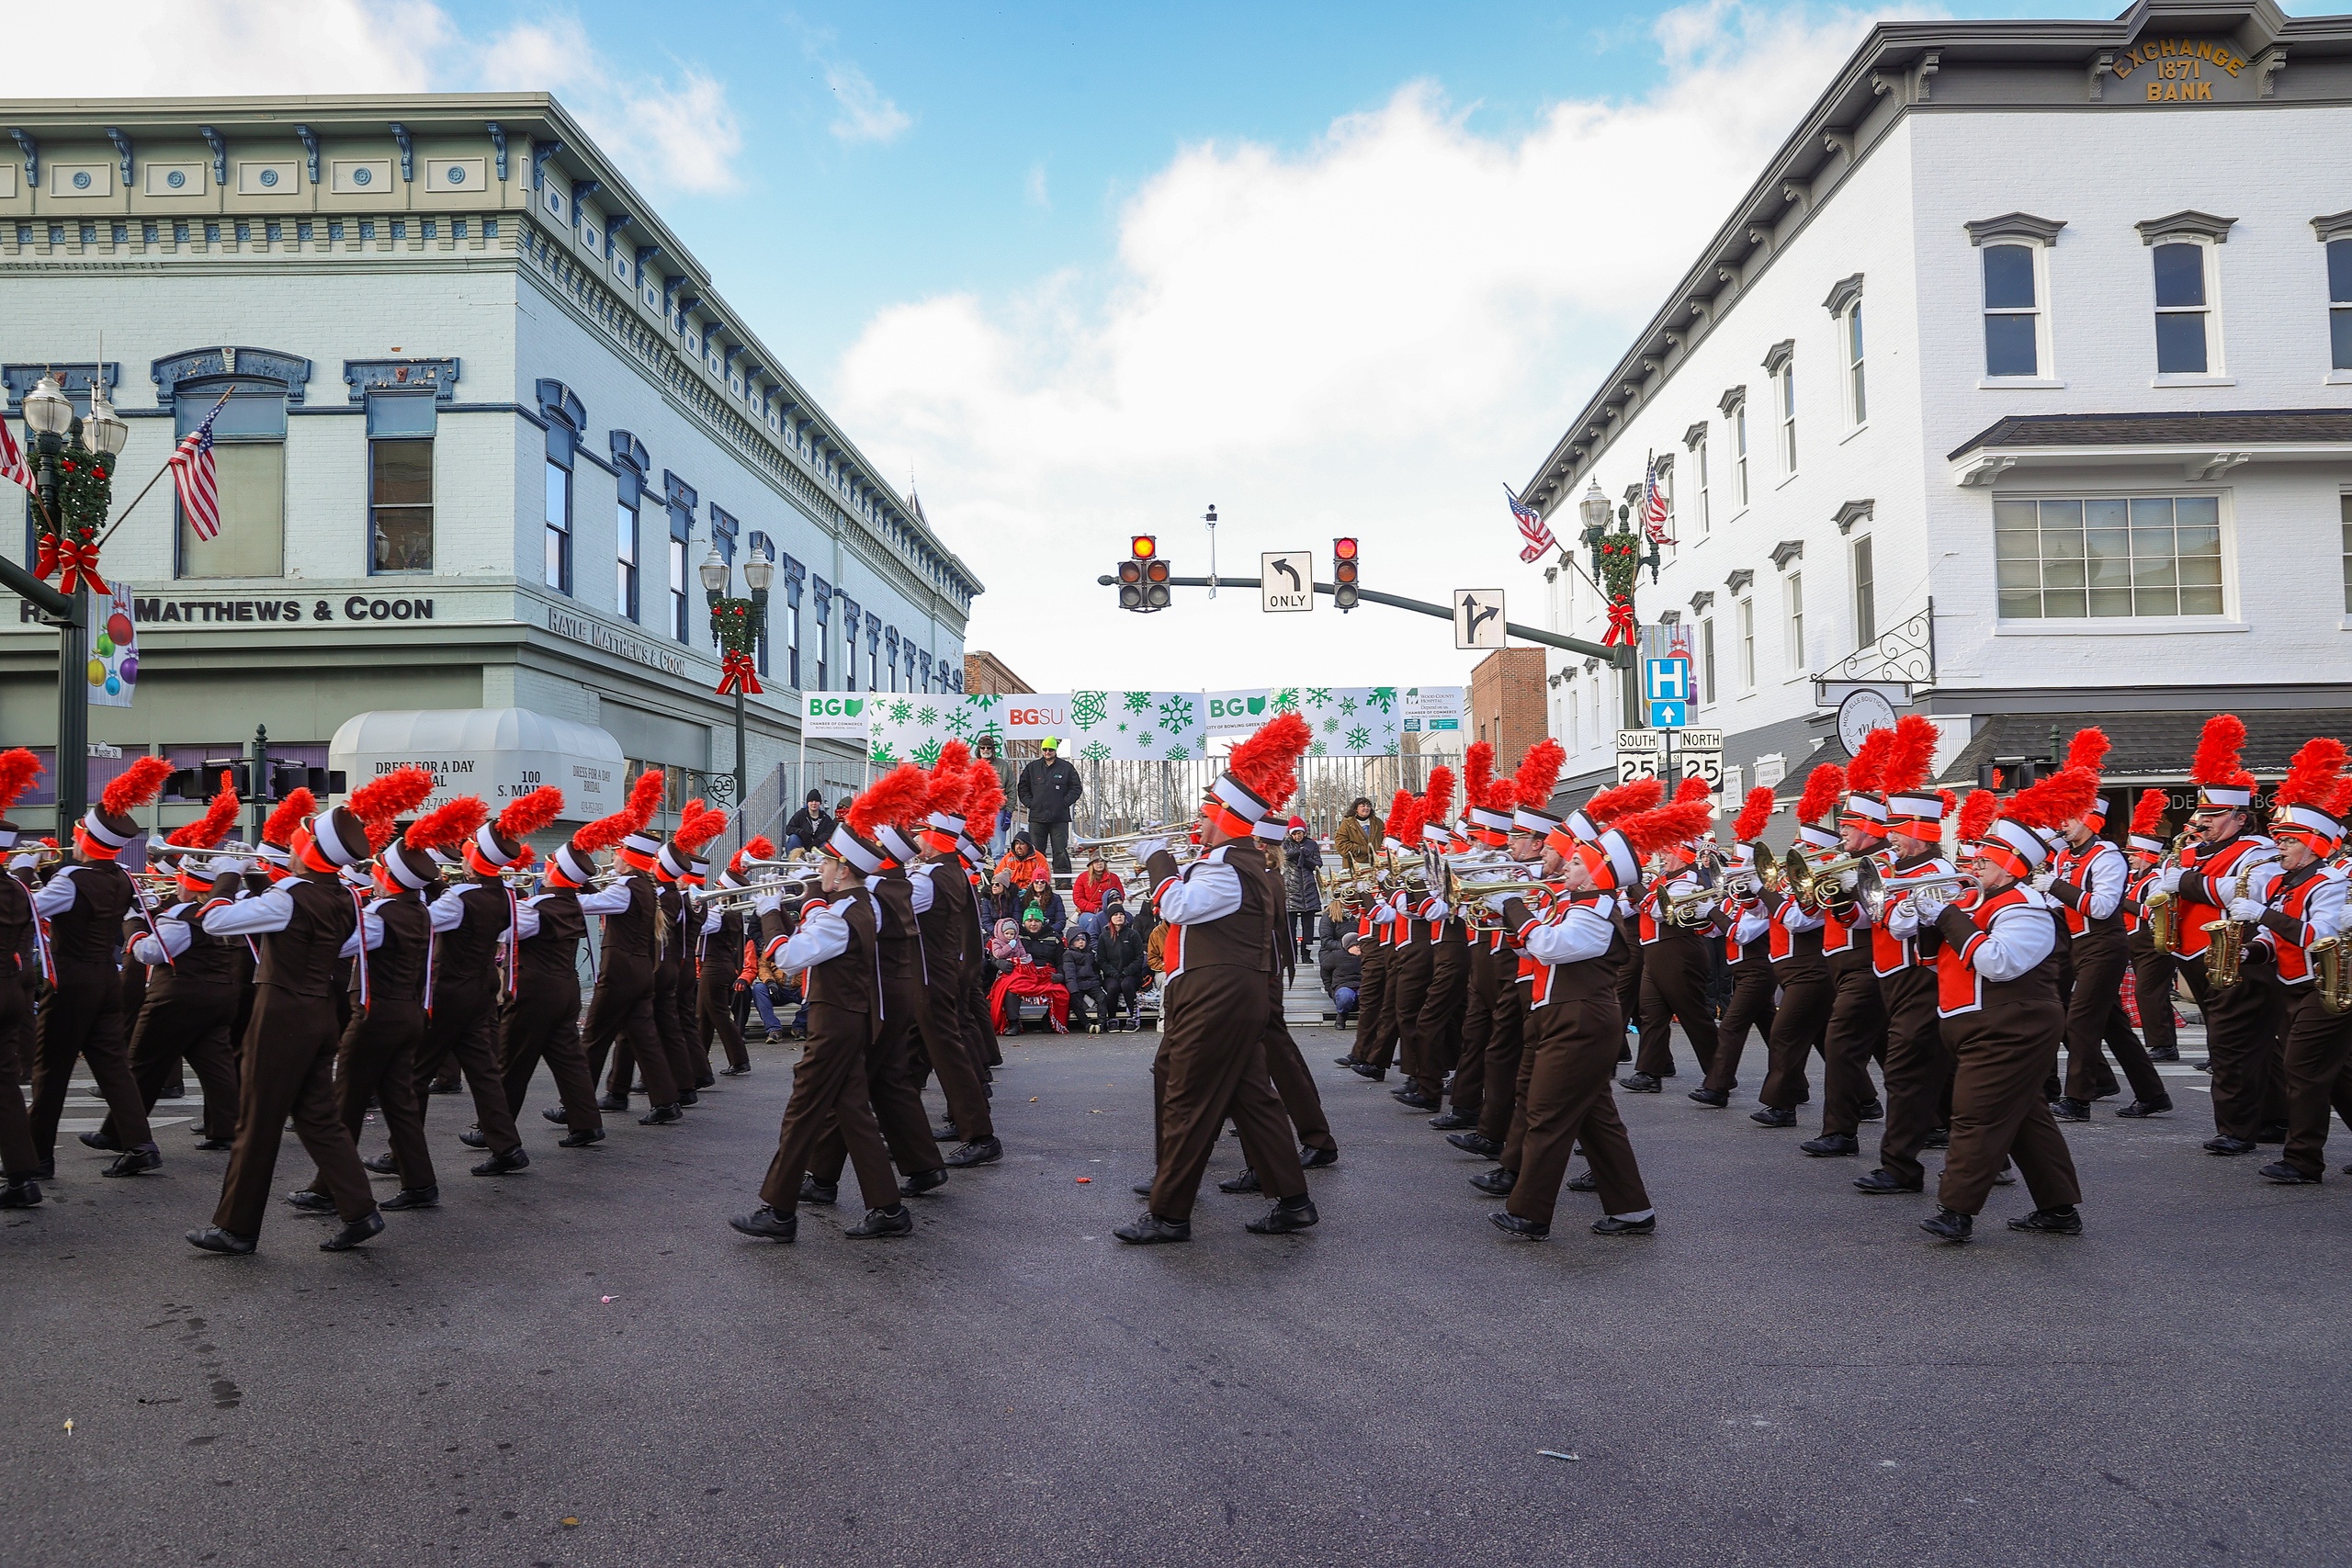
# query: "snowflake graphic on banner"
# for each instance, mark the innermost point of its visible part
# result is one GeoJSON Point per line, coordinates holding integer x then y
{"type": "Point", "coordinates": [1285, 700]}
{"type": "Point", "coordinates": [1087, 709]}
{"type": "Point", "coordinates": [1095, 751]}
{"type": "Point", "coordinates": [1318, 748]}
{"type": "Point", "coordinates": [1382, 697]}
{"type": "Point", "coordinates": [1348, 705]}
{"type": "Point", "coordinates": [883, 750]}
{"type": "Point", "coordinates": [1137, 702]}
{"type": "Point", "coordinates": [901, 712]}
{"type": "Point", "coordinates": [960, 721]}
{"type": "Point", "coordinates": [927, 754]}
{"type": "Point", "coordinates": [1358, 739]}
{"type": "Point", "coordinates": [1176, 714]}
{"type": "Point", "coordinates": [1177, 753]}
{"type": "Point", "coordinates": [927, 716]}
{"type": "Point", "coordinates": [1319, 696]}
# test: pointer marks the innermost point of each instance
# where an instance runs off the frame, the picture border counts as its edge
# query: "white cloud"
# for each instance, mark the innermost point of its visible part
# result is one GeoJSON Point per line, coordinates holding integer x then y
{"type": "Point", "coordinates": [680, 133]}
{"type": "Point", "coordinates": [175, 47]}
{"type": "Point", "coordinates": [1034, 188]}
{"type": "Point", "coordinates": [1367, 337]}
{"type": "Point", "coordinates": [865, 115]}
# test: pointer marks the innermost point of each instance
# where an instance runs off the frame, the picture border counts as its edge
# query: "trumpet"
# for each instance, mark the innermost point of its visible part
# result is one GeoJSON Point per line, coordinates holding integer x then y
{"type": "Point", "coordinates": [1683, 908]}
{"type": "Point", "coordinates": [1872, 892]}
{"type": "Point", "coordinates": [752, 893]}
{"type": "Point", "coordinates": [1139, 836]}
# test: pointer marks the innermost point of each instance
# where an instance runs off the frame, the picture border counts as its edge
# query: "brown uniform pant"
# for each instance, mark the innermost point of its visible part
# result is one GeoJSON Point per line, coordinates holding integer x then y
{"type": "Point", "coordinates": [1797, 1023]}
{"type": "Point", "coordinates": [715, 1015]}
{"type": "Point", "coordinates": [1408, 987]}
{"type": "Point", "coordinates": [534, 1025]}
{"type": "Point", "coordinates": [1629, 984]}
{"type": "Point", "coordinates": [16, 1155]}
{"type": "Point", "coordinates": [463, 1031]}
{"type": "Point", "coordinates": [289, 1071]}
{"type": "Point", "coordinates": [980, 1027]}
{"type": "Point", "coordinates": [2242, 1027]}
{"type": "Point", "coordinates": [1750, 1007]}
{"type": "Point", "coordinates": [896, 1103]}
{"type": "Point", "coordinates": [190, 1023]}
{"type": "Point", "coordinates": [1469, 1087]}
{"type": "Point", "coordinates": [2001, 1055]}
{"type": "Point", "coordinates": [1372, 1002]}
{"type": "Point", "coordinates": [1569, 1101]}
{"type": "Point", "coordinates": [1211, 1065]}
{"type": "Point", "coordinates": [377, 1057]}
{"type": "Point", "coordinates": [1437, 1027]}
{"type": "Point", "coordinates": [1294, 1084]}
{"type": "Point", "coordinates": [81, 1016]}
{"type": "Point", "coordinates": [622, 1010]}
{"type": "Point", "coordinates": [1855, 1033]}
{"type": "Point", "coordinates": [1674, 986]}
{"type": "Point", "coordinates": [2319, 1043]}
{"type": "Point", "coordinates": [960, 1067]}
{"type": "Point", "coordinates": [2095, 1016]}
{"type": "Point", "coordinates": [1506, 1049]}
{"type": "Point", "coordinates": [2152, 973]}
{"type": "Point", "coordinates": [829, 1101]}
{"type": "Point", "coordinates": [1918, 1071]}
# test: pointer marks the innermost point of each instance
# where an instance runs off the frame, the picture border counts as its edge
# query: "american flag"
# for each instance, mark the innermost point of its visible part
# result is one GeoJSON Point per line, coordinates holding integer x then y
{"type": "Point", "coordinates": [1654, 505]}
{"type": "Point", "coordinates": [192, 473]}
{"type": "Point", "coordinates": [12, 459]}
{"type": "Point", "coordinates": [1531, 528]}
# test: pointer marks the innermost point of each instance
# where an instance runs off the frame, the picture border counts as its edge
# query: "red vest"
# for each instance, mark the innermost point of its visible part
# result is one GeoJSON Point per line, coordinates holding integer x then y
{"type": "Point", "coordinates": [2074, 868]}
{"type": "Point", "coordinates": [2294, 964]}
{"type": "Point", "coordinates": [1892, 954]}
{"type": "Point", "coordinates": [1543, 976]}
{"type": "Point", "coordinates": [2190, 937]}
{"type": "Point", "coordinates": [1959, 987]}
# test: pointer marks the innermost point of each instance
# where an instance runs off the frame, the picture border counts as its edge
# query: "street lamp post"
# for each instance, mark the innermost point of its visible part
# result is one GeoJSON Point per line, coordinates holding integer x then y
{"type": "Point", "coordinates": [735, 627]}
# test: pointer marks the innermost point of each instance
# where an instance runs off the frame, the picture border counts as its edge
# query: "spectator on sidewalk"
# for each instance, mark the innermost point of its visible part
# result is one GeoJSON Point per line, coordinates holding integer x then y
{"type": "Point", "coordinates": [810, 826]}
{"type": "Point", "coordinates": [1049, 792]}
{"type": "Point", "coordinates": [1082, 974]}
{"type": "Point", "coordinates": [991, 835]}
{"type": "Point", "coordinates": [1301, 859]}
{"type": "Point", "coordinates": [1021, 863]}
{"type": "Point", "coordinates": [1358, 836]}
{"type": "Point", "coordinates": [1094, 891]}
{"type": "Point", "coordinates": [1124, 966]}
{"type": "Point", "coordinates": [1342, 964]}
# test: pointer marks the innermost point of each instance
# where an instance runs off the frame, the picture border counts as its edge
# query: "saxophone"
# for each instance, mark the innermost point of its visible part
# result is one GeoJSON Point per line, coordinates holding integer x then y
{"type": "Point", "coordinates": [2225, 949]}
{"type": "Point", "coordinates": [2162, 909]}
{"type": "Point", "coordinates": [2331, 959]}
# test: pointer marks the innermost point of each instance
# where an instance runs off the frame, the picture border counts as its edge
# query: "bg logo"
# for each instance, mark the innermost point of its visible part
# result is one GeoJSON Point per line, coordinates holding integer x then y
{"type": "Point", "coordinates": [835, 708]}
{"type": "Point", "coordinates": [1236, 707]}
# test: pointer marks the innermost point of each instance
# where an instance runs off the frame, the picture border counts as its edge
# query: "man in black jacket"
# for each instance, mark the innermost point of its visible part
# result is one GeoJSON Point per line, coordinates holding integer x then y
{"type": "Point", "coordinates": [811, 825]}
{"type": "Point", "coordinates": [1049, 789]}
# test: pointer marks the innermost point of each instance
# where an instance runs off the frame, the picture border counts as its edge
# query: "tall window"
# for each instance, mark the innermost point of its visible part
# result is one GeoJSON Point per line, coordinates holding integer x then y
{"type": "Point", "coordinates": [1785, 394]}
{"type": "Point", "coordinates": [400, 482]}
{"type": "Point", "coordinates": [2344, 504]}
{"type": "Point", "coordinates": [873, 656]}
{"type": "Point", "coordinates": [824, 638]}
{"type": "Point", "coordinates": [249, 466]}
{"type": "Point", "coordinates": [2339, 304]}
{"type": "Point", "coordinates": [2074, 558]}
{"type": "Point", "coordinates": [1746, 619]}
{"type": "Point", "coordinates": [678, 588]}
{"type": "Point", "coordinates": [1740, 455]}
{"type": "Point", "coordinates": [1699, 455]}
{"type": "Point", "coordinates": [555, 510]}
{"type": "Point", "coordinates": [2012, 311]}
{"type": "Point", "coordinates": [792, 640]}
{"type": "Point", "coordinates": [624, 599]}
{"type": "Point", "coordinates": [1707, 662]}
{"type": "Point", "coordinates": [1865, 593]}
{"type": "Point", "coordinates": [1857, 403]}
{"type": "Point", "coordinates": [1793, 601]}
{"type": "Point", "coordinates": [1569, 708]}
{"type": "Point", "coordinates": [2182, 346]}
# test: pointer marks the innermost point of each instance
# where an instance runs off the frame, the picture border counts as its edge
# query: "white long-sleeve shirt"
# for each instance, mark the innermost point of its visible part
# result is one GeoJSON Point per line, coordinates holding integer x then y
{"type": "Point", "coordinates": [610, 900]}
{"type": "Point", "coordinates": [264, 912]}
{"type": "Point", "coordinates": [824, 935]}
{"type": "Point", "coordinates": [450, 910]}
{"type": "Point", "coordinates": [370, 930]}
{"type": "Point", "coordinates": [2103, 880]}
{"type": "Point", "coordinates": [1575, 933]}
{"type": "Point", "coordinates": [1750, 924]}
{"type": "Point", "coordinates": [56, 895]}
{"type": "Point", "coordinates": [1211, 893]}
{"type": "Point", "coordinates": [172, 937]}
{"type": "Point", "coordinates": [2021, 936]}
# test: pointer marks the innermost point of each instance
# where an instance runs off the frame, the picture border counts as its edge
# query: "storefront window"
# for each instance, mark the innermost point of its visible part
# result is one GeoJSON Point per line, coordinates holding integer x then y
{"type": "Point", "coordinates": [2068, 558]}
{"type": "Point", "coordinates": [249, 466]}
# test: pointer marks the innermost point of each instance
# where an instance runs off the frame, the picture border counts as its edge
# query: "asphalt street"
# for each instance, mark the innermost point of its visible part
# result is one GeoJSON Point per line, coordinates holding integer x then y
{"type": "Point", "coordinates": [583, 1365]}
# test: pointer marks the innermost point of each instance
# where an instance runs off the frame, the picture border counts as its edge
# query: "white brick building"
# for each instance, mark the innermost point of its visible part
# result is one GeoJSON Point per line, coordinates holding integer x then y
{"type": "Point", "coordinates": [489, 417]}
{"type": "Point", "coordinates": [2020, 383]}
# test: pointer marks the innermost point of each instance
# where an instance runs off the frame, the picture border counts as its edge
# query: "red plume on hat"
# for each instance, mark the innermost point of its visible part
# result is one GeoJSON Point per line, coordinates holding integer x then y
{"type": "Point", "coordinates": [2313, 774]}
{"type": "Point", "coordinates": [1539, 773]}
{"type": "Point", "coordinates": [951, 780]}
{"type": "Point", "coordinates": [645, 797]}
{"type": "Point", "coordinates": [987, 797]}
{"type": "Point", "coordinates": [760, 848]}
{"type": "Point", "coordinates": [214, 826]}
{"type": "Point", "coordinates": [2217, 753]}
{"type": "Point", "coordinates": [1650, 831]}
{"type": "Point", "coordinates": [134, 786]}
{"type": "Point", "coordinates": [451, 823]}
{"type": "Point", "coordinates": [1909, 755]}
{"type": "Point", "coordinates": [399, 792]}
{"type": "Point", "coordinates": [18, 768]}
{"type": "Point", "coordinates": [1262, 761]}
{"type": "Point", "coordinates": [1976, 815]}
{"type": "Point", "coordinates": [1477, 774]}
{"type": "Point", "coordinates": [1607, 806]}
{"type": "Point", "coordinates": [2339, 805]}
{"type": "Point", "coordinates": [1951, 803]}
{"type": "Point", "coordinates": [1404, 818]}
{"type": "Point", "coordinates": [1693, 788]}
{"type": "Point", "coordinates": [279, 828]}
{"type": "Point", "coordinates": [527, 815]}
{"type": "Point", "coordinates": [1755, 812]}
{"type": "Point", "coordinates": [2063, 796]}
{"type": "Point", "coordinates": [697, 826]}
{"type": "Point", "coordinates": [2148, 816]}
{"type": "Point", "coordinates": [2088, 749]}
{"type": "Point", "coordinates": [1437, 801]}
{"type": "Point", "coordinates": [1502, 796]}
{"type": "Point", "coordinates": [1822, 788]}
{"type": "Point", "coordinates": [606, 831]}
{"type": "Point", "coordinates": [1863, 774]}
{"type": "Point", "coordinates": [896, 797]}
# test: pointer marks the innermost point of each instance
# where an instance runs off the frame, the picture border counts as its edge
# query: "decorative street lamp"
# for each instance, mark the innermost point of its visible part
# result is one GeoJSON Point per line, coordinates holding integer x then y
{"type": "Point", "coordinates": [735, 629]}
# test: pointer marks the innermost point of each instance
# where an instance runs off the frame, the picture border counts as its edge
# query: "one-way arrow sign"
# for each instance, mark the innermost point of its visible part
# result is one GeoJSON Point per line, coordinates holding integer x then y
{"type": "Point", "coordinates": [1287, 581]}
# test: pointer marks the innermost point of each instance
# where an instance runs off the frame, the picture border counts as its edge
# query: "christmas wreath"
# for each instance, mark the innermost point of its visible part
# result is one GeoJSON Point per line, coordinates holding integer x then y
{"type": "Point", "coordinates": [1620, 559]}
{"type": "Point", "coordinates": [731, 619]}
{"type": "Point", "coordinates": [68, 541]}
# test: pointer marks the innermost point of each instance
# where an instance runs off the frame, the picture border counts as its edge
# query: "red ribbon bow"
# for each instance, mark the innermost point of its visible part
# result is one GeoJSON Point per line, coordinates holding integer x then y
{"type": "Point", "coordinates": [77, 558]}
{"type": "Point", "coordinates": [736, 671]}
{"type": "Point", "coordinates": [1622, 626]}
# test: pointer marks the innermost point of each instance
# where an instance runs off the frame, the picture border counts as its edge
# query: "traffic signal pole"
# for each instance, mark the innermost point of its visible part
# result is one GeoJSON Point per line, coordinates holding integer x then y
{"type": "Point", "coordinates": [1621, 656]}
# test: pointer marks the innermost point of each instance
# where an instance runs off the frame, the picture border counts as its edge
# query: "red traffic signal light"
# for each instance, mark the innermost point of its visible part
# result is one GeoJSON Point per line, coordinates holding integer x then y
{"type": "Point", "coordinates": [1143, 577]}
{"type": "Point", "coordinates": [1344, 567]}
{"type": "Point", "coordinates": [1143, 547]}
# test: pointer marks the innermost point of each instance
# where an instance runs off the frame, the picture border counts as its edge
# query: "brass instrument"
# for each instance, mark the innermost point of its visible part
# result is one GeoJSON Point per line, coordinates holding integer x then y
{"type": "Point", "coordinates": [2161, 910]}
{"type": "Point", "coordinates": [2331, 959]}
{"type": "Point", "coordinates": [1817, 885]}
{"type": "Point", "coordinates": [1872, 892]}
{"type": "Point", "coordinates": [1683, 908]}
{"type": "Point", "coordinates": [2225, 939]}
{"type": "Point", "coordinates": [743, 897]}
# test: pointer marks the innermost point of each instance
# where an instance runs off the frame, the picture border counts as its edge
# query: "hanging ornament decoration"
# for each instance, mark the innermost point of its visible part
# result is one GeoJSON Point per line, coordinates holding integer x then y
{"type": "Point", "coordinates": [731, 620]}
{"type": "Point", "coordinates": [1619, 558]}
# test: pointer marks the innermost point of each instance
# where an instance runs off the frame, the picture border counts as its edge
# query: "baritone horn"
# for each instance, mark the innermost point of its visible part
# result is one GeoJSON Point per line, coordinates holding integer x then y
{"type": "Point", "coordinates": [1874, 892]}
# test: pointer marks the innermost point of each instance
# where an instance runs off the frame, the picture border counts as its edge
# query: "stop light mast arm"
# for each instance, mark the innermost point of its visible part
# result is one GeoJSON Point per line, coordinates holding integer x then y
{"type": "Point", "coordinates": [1621, 656]}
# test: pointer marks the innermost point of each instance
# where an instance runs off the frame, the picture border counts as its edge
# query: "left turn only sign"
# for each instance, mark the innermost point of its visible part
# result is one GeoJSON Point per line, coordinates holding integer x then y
{"type": "Point", "coordinates": [1285, 581]}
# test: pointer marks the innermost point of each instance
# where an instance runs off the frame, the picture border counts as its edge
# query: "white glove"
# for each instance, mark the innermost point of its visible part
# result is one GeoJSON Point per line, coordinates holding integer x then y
{"type": "Point", "coordinates": [1143, 849]}
{"type": "Point", "coordinates": [767, 905]}
{"type": "Point", "coordinates": [2042, 879]}
{"type": "Point", "coordinates": [1496, 902]}
{"type": "Point", "coordinates": [2248, 909]}
{"type": "Point", "coordinates": [1926, 902]}
{"type": "Point", "coordinates": [2168, 880]}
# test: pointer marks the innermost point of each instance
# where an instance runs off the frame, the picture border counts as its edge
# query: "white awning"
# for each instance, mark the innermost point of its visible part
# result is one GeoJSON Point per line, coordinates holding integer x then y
{"type": "Point", "coordinates": [496, 753]}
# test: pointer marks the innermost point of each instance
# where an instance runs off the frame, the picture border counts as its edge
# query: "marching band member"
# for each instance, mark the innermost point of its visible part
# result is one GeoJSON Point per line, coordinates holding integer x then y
{"type": "Point", "coordinates": [475, 933]}
{"type": "Point", "coordinates": [1521, 799]}
{"type": "Point", "coordinates": [2242, 1021]}
{"type": "Point", "coordinates": [949, 925]}
{"type": "Point", "coordinates": [1996, 986]}
{"type": "Point", "coordinates": [1212, 1061]}
{"type": "Point", "coordinates": [1793, 943]}
{"type": "Point", "coordinates": [1743, 923]}
{"type": "Point", "coordinates": [983, 798]}
{"type": "Point", "coordinates": [1904, 948]}
{"type": "Point", "coordinates": [2087, 882]}
{"type": "Point", "coordinates": [2152, 966]}
{"type": "Point", "coordinates": [1675, 966]}
{"type": "Point", "coordinates": [539, 1017]}
{"type": "Point", "coordinates": [1576, 1026]}
{"type": "Point", "coordinates": [718, 951]}
{"type": "Point", "coordinates": [19, 1163]}
{"type": "Point", "coordinates": [80, 911]}
{"type": "Point", "coordinates": [621, 1006]}
{"type": "Point", "coordinates": [2305, 904]}
{"type": "Point", "coordinates": [1379, 1028]}
{"type": "Point", "coordinates": [302, 924]}
{"type": "Point", "coordinates": [1432, 1034]}
{"type": "Point", "coordinates": [1855, 1033]}
{"type": "Point", "coordinates": [1488, 831]}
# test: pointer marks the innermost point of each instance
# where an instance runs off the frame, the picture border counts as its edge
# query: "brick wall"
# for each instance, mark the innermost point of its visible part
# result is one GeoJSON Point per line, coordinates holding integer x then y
{"type": "Point", "coordinates": [984, 671]}
{"type": "Point", "coordinates": [1507, 703]}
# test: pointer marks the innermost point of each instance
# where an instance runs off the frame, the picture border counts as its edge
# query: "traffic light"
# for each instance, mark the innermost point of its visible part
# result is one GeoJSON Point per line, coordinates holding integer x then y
{"type": "Point", "coordinates": [1343, 574]}
{"type": "Point", "coordinates": [1143, 576]}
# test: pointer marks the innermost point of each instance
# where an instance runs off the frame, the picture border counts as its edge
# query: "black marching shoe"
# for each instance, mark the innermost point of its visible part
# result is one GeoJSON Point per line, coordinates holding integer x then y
{"type": "Point", "coordinates": [1316, 1159]}
{"type": "Point", "coordinates": [213, 1238]}
{"type": "Point", "coordinates": [1830, 1144]}
{"type": "Point", "coordinates": [1879, 1181]}
{"type": "Point", "coordinates": [767, 1224]}
{"type": "Point", "coordinates": [1289, 1215]}
{"type": "Point", "coordinates": [1141, 1188]}
{"type": "Point", "coordinates": [2050, 1221]}
{"type": "Point", "coordinates": [945, 1133]}
{"type": "Point", "coordinates": [1477, 1144]}
{"type": "Point", "coordinates": [892, 1221]}
{"type": "Point", "coordinates": [20, 1192]}
{"type": "Point", "coordinates": [472, 1137]}
{"type": "Point", "coordinates": [1610, 1225]}
{"type": "Point", "coordinates": [1718, 1098]}
{"type": "Point", "coordinates": [513, 1159]}
{"type": "Point", "coordinates": [213, 1145]}
{"type": "Point", "coordinates": [661, 1115]}
{"type": "Point", "coordinates": [2066, 1109]}
{"type": "Point", "coordinates": [2271, 1133]}
{"type": "Point", "coordinates": [1511, 1224]}
{"type": "Point", "coordinates": [414, 1198]}
{"type": "Point", "coordinates": [309, 1203]}
{"type": "Point", "coordinates": [1951, 1226]}
{"type": "Point", "coordinates": [735, 1072]}
{"type": "Point", "coordinates": [688, 1097]}
{"type": "Point", "coordinates": [383, 1164]}
{"type": "Point", "coordinates": [101, 1140]}
{"type": "Point", "coordinates": [556, 1114]}
{"type": "Point", "coordinates": [45, 1171]}
{"type": "Point", "coordinates": [1939, 1139]}
{"type": "Point", "coordinates": [369, 1224]}
{"type": "Point", "coordinates": [921, 1182]}
{"type": "Point", "coordinates": [1245, 1182]}
{"type": "Point", "coordinates": [2285, 1175]}
{"type": "Point", "coordinates": [1364, 1070]}
{"type": "Point", "coordinates": [1638, 1083]}
{"type": "Point", "coordinates": [132, 1162]}
{"type": "Point", "coordinates": [1496, 1183]}
{"type": "Point", "coordinates": [980, 1151]}
{"type": "Point", "coordinates": [815, 1191]}
{"type": "Point", "coordinates": [2225, 1145]}
{"type": "Point", "coordinates": [581, 1139]}
{"type": "Point", "coordinates": [1148, 1230]}
{"type": "Point", "coordinates": [1582, 1181]}
{"type": "Point", "coordinates": [1451, 1120]}
{"type": "Point", "coordinates": [612, 1103]}
{"type": "Point", "coordinates": [1343, 1061]}
{"type": "Point", "coordinates": [2165, 1054]}
{"type": "Point", "coordinates": [1773, 1116]}
{"type": "Point", "coordinates": [1871, 1111]}
{"type": "Point", "coordinates": [1413, 1100]}
{"type": "Point", "coordinates": [2140, 1108]}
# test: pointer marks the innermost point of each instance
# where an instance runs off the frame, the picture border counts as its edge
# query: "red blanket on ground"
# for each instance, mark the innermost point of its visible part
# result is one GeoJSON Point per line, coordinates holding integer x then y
{"type": "Point", "coordinates": [1028, 980]}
